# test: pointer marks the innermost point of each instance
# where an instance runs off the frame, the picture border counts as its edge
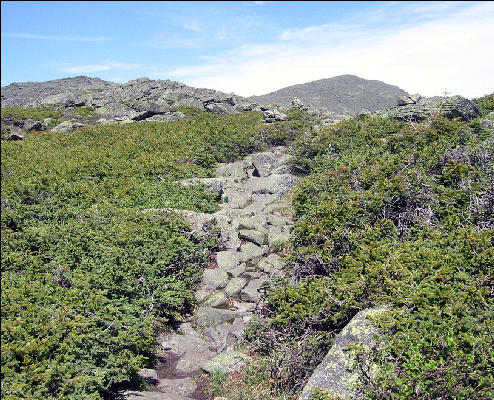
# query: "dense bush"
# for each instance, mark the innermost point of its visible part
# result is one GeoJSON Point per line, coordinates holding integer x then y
{"type": "Point", "coordinates": [397, 214]}
{"type": "Point", "coordinates": [87, 275]}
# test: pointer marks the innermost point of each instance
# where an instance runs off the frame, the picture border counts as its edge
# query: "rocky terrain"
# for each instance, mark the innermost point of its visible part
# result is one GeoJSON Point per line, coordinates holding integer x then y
{"type": "Point", "coordinates": [255, 226]}
{"type": "Point", "coordinates": [344, 94]}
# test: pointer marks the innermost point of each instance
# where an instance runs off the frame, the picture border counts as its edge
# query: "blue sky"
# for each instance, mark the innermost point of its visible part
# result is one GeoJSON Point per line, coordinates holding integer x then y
{"type": "Point", "coordinates": [253, 47]}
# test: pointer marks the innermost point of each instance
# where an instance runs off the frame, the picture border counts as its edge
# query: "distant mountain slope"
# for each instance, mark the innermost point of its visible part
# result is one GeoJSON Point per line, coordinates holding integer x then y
{"type": "Point", "coordinates": [340, 94]}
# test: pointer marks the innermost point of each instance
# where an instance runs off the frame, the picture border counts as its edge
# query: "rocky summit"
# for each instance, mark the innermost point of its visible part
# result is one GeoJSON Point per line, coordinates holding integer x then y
{"type": "Point", "coordinates": [344, 94]}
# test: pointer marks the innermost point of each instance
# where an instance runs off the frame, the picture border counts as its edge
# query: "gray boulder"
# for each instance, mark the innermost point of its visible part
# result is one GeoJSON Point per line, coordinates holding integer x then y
{"type": "Point", "coordinates": [215, 278]}
{"type": "Point", "coordinates": [66, 126]}
{"type": "Point", "coordinates": [235, 285]}
{"type": "Point", "coordinates": [273, 184]}
{"type": "Point", "coordinates": [335, 374]}
{"type": "Point", "coordinates": [273, 116]}
{"type": "Point", "coordinates": [420, 108]}
{"type": "Point", "coordinates": [265, 163]}
{"type": "Point", "coordinates": [32, 125]}
{"type": "Point", "coordinates": [208, 316]}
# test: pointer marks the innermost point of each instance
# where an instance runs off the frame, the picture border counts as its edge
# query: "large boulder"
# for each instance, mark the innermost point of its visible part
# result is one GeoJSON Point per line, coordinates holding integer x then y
{"type": "Point", "coordinates": [416, 108]}
{"type": "Point", "coordinates": [336, 375]}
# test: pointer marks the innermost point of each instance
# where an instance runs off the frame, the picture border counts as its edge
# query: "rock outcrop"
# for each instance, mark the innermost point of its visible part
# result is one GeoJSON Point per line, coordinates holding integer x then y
{"type": "Point", "coordinates": [416, 108]}
{"type": "Point", "coordinates": [336, 375]}
{"type": "Point", "coordinates": [142, 99]}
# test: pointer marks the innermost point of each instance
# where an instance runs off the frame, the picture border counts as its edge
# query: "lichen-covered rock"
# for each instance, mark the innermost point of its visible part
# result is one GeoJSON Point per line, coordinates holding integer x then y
{"type": "Point", "coordinates": [215, 278]}
{"type": "Point", "coordinates": [235, 285]}
{"type": "Point", "coordinates": [335, 374]}
{"type": "Point", "coordinates": [253, 236]}
{"type": "Point", "coordinates": [217, 300]}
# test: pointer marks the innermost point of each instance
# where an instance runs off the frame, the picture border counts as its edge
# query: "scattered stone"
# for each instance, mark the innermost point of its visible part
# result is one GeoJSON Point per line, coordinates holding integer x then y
{"type": "Point", "coordinates": [32, 125]}
{"type": "Point", "coordinates": [229, 361]}
{"type": "Point", "coordinates": [202, 295]}
{"type": "Point", "coordinates": [237, 199]}
{"type": "Point", "coordinates": [297, 103]}
{"type": "Point", "coordinates": [424, 107]}
{"type": "Point", "coordinates": [271, 264]}
{"type": "Point", "coordinates": [265, 163]}
{"type": "Point", "coordinates": [277, 239]}
{"type": "Point", "coordinates": [228, 261]}
{"type": "Point", "coordinates": [273, 184]}
{"type": "Point", "coordinates": [235, 171]}
{"type": "Point", "coordinates": [225, 335]}
{"type": "Point", "coordinates": [214, 185]}
{"type": "Point", "coordinates": [252, 292]}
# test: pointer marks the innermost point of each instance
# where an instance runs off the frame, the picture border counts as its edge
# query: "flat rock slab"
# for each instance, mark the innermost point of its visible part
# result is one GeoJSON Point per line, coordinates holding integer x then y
{"type": "Point", "coordinates": [235, 286]}
{"type": "Point", "coordinates": [273, 184]}
{"type": "Point", "coordinates": [249, 251]}
{"type": "Point", "coordinates": [208, 316]}
{"type": "Point", "coordinates": [215, 278]}
{"type": "Point", "coordinates": [229, 361]}
{"type": "Point", "coordinates": [153, 396]}
{"type": "Point", "coordinates": [227, 260]}
{"type": "Point", "coordinates": [181, 386]}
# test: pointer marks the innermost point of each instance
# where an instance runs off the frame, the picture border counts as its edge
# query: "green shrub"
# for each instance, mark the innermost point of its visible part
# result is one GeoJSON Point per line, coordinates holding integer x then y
{"type": "Point", "coordinates": [397, 214]}
{"type": "Point", "coordinates": [486, 103]}
{"type": "Point", "coordinates": [16, 114]}
{"type": "Point", "coordinates": [87, 274]}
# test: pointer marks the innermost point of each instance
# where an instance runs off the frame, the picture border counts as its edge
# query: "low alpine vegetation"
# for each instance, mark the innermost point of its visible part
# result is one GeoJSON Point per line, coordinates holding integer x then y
{"type": "Point", "coordinates": [89, 270]}
{"type": "Point", "coordinates": [398, 214]}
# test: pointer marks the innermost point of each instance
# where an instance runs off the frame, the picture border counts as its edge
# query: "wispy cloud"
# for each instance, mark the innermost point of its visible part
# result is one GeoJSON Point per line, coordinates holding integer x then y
{"type": "Point", "coordinates": [192, 26]}
{"type": "Point", "coordinates": [446, 50]}
{"type": "Point", "coordinates": [90, 68]}
{"type": "Point", "coordinates": [57, 38]}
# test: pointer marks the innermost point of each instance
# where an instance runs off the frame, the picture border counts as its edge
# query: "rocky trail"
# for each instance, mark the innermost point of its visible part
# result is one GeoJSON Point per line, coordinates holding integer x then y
{"type": "Point", "coordinates": [254, 228]}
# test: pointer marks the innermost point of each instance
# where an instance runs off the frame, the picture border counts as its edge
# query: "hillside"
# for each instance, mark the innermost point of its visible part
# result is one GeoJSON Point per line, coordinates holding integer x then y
{"type": "Point", "coordinates": [225, 253]}
{"type": "Point", "coordinates": [344, 94]}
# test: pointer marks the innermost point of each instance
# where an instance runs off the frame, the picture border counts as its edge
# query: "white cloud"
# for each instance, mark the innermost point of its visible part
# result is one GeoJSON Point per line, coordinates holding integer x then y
{"type": "Point", "coordinates": [192, 26]}
{"type": "Point", "coordinates": [451, 51]}
{"type": "Point", "coordinates": [57, 38]}
{"type": "Point", "coordinates": [90, 68]}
